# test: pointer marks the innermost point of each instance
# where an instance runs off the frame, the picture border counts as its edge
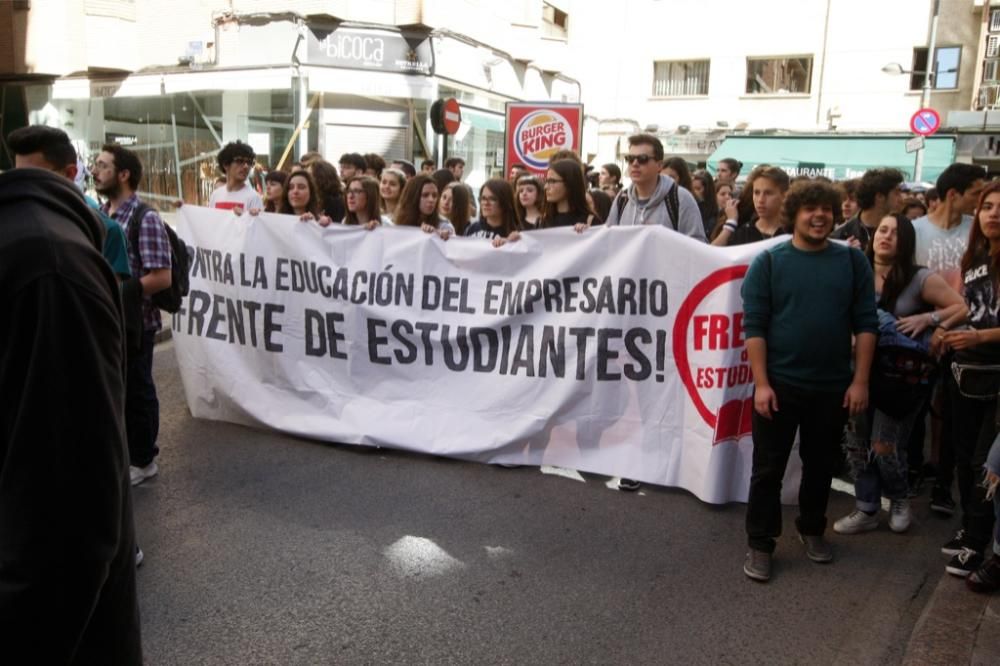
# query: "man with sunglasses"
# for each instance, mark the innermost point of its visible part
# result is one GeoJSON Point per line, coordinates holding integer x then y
{"type": "Point", "coordinates": [654, 198]}
{"type": "Point", "coordinates": [236, 159]}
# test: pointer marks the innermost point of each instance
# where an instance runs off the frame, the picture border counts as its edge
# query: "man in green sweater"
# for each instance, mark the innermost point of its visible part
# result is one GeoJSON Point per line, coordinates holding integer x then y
{"type": "Point", "coordinates": [802, 302]}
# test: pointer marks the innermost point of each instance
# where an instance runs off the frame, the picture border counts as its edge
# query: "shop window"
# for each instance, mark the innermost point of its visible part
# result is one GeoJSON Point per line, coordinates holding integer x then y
{"type": "Point", "coordinates": [946, 63]}
{"type": "Point", "coordinates": [680, 77]}
{"type": "Point", "coordinates": [779, 76]}
{"type": "Point", "coordinates": [555, 21]}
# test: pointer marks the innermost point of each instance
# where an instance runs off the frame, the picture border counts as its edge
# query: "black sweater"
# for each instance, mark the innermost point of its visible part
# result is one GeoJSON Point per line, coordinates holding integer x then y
{"type": "Point", "coordinates": [67, 541]}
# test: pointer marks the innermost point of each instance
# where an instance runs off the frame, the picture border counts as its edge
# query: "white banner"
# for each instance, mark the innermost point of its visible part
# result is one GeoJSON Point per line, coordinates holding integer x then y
{"type": "Point", "coordinates": [618, 351]}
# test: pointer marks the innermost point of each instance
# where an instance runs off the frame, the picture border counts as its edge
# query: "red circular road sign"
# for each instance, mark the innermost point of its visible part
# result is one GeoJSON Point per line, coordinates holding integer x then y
{"type": "Point", "coordinates": [452, 116]}
{"type": "Point", "coordinates": [925, 122]}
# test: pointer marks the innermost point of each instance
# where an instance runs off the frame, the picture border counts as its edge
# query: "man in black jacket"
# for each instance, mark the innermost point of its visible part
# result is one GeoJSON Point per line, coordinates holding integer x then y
{"type": "Point", "coordinates": [67, 539]}
{"type": "Point", "coordinates": [878, 195]}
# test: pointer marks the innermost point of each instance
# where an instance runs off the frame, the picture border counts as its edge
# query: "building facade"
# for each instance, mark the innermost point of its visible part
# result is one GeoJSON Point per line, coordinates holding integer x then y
{"type": "Point", "coordinates": [175, 83]}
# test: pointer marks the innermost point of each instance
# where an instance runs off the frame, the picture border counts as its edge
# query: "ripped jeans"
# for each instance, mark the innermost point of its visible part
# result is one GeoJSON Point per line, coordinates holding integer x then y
{"type": "Point", "coordinates": [876, 452]}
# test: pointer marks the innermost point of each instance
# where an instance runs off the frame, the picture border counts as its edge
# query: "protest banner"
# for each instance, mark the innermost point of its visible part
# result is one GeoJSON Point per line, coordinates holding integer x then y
{"type": "Point", "coordinates": [617, 351]}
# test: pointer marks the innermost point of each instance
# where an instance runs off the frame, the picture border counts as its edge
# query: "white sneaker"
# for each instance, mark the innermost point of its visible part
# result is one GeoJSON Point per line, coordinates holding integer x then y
{"type": "Point", "coordinates": [899, 515]}
{"type": "Point", "coordinates": [140, 474]}
{"type": "Point", "coordinates": [856, 522]}
{"type": "Point", "coordinates": [138, 557]}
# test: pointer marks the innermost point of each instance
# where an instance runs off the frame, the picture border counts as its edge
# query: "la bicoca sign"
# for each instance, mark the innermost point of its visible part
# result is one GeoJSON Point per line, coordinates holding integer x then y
{"type": "Point", "coordinates": [535, 131]}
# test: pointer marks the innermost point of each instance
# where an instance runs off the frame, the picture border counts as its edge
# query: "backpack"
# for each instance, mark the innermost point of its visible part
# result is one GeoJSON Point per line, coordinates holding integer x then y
{"type": "Point", "coordinates": [672, 200]}
{"type": "Point", "coordinates": [180, 263]}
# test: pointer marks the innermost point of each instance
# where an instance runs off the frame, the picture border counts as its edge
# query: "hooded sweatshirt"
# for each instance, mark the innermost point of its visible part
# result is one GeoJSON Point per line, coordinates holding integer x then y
{"type": "Point", "coordinates": [67, 540]}
{"type": "Point", "coordinates": [654, 211]}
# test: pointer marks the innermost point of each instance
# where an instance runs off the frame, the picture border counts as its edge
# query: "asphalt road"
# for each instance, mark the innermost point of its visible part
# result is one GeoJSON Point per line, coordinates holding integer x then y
{"type": "Point", "coordinates": [267, 549]}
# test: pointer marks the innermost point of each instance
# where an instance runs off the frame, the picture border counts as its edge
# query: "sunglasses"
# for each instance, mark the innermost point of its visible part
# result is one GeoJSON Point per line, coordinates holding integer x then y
{"type": "Point", "coordinates": [242, 161]}
{"type": "Point", "coordinates": [643, 159]}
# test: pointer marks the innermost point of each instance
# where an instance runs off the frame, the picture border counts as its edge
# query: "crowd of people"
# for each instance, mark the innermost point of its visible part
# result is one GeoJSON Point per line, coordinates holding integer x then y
{"type": "Point", "coordinates": [916, 320]}
{"type": "Point", "coordinates": [855, 346]}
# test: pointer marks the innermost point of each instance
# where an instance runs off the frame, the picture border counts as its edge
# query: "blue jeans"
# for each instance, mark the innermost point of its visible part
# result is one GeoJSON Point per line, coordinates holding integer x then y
{"type": "Point", "coordinates": [142, 408]}
{"type": "Point", "coordinates": [876, 451]}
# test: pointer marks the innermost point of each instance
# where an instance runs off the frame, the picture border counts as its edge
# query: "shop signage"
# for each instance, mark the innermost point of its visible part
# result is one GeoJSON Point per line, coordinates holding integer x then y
{"type": "Point", "coordinates": [376, 50]}
{"type": "Point", "coordinates": [535, 131]}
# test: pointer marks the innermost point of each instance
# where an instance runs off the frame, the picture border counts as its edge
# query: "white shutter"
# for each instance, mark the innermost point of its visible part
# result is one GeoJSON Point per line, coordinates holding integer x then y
{"type": "Point", "coordinates": [389, 142]}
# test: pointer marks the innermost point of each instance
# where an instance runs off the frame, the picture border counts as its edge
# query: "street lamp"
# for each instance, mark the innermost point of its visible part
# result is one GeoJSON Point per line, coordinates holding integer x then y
{"type": "Point", "coordinates": [925, 95]}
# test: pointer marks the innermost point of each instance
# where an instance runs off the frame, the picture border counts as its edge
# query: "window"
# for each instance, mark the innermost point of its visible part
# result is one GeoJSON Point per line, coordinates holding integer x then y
{"type": "Point", "coordinates": [554, 21]}
{"type": "Point", "coordinates": [945, 68]}
{"type": "Point", "coordinates": [680, 77]}
{"type": "Point", "coordinates": [993, 46]}
{"type": "Point", "coordinates": [779, 76]}
{"type": "Point", "coordinates": [991, 70]}
{"type": "Point", "coordinates": [995, 20]}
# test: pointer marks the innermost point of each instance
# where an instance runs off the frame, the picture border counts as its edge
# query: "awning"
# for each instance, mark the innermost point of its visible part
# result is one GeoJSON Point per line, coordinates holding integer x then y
{"type": "Point", "coordinates": [836, 157]}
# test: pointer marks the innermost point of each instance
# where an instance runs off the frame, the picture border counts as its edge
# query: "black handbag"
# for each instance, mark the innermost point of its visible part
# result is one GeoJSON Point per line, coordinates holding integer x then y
{"type": "Point", "coordinates": [976, 381]}
{"type": "Point", "coordinates": [900, 381]}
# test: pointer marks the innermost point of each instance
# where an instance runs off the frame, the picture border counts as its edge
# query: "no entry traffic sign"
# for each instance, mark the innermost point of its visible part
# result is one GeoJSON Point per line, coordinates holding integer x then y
{"type": "Point", "coordinates": [452, 116]}
{"type": "Point", "coordinates": [925, 122]}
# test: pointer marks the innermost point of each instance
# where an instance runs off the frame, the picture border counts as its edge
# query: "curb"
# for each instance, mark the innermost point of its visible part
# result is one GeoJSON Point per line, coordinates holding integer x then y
{"type": "Point", "coordinates": [957, 626]}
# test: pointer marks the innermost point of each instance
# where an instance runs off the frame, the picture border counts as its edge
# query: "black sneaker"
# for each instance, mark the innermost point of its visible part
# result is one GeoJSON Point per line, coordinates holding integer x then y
{"type": "Point", "coordinates": [942, 503]}
{"type": "Point", "coordinates": [757, 565]}
{"type": "Point", "coordinates": [817, 548]}
{"type": "Point", "coordinates": [631, 485]}
{"type": "Point", "coordinates": [956, 545]}
{"type": "Point", "coordinates": [964, 563]}
{"type": "Point", "coordinates": [986, 578]}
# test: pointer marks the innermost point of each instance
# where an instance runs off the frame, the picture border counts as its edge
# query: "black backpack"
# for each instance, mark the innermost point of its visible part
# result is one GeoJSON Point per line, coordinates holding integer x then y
{"type": "Point", "coordinates": [672, 201]}
{"type": "Point", "coordinates": [180, 263]}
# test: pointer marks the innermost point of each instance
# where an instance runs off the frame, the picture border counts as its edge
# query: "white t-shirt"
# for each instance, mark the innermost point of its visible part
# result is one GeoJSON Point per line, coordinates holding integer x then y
{"type": "Point", "coordinates": [246, 197]}
{"type": "Point", "coordinates": [941, 250]}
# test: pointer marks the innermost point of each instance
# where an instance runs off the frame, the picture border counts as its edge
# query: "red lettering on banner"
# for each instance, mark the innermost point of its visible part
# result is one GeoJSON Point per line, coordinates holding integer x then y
{"type": "Point", "coordinates": [715, 331]}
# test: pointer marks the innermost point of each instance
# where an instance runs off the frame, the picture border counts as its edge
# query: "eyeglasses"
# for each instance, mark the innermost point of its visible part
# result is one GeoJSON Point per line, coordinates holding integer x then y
{"type": "Point", "coordinates": [242, 161]}
{"type": "Point", "coordinates": [488, 199]}
{"type": "Point", "coordinates": [356, 192]}
{"type": "Point", "coordinates": [641, 159]}
{"type": "Point", "coordinates": [554, 181]}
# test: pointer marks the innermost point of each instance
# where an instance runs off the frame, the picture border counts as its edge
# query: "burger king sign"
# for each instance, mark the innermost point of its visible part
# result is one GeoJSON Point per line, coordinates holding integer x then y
{"type": "Point", "coordinates": [536, 131]}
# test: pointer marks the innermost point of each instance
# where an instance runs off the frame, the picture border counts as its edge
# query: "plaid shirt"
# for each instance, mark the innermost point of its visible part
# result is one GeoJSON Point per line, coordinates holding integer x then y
{"type": "Point", "coordinates": [153, 251]}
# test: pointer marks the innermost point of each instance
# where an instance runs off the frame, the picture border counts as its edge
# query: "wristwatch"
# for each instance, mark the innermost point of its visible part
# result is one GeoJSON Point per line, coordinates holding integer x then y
{"type": "Point", "coordinates": [935, 319]}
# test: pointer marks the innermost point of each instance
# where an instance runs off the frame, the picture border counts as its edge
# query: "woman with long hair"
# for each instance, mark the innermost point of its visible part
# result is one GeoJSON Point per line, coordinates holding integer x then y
{"type": "Point", "coordinates": [912, 301]}
{"type": "Point", "coordinates": [331, 191]}
{"type": "Point", "coordinates": [498, 220]}
{"type": "Point", "coordinates": [418, 207]}
{"type": "Point", "coordinates": [274, 190]}
{"type": "Point", "coordinates": [363, 202]}
{"type": "Point", "coordinates": [454, 206]}
{"type": "Point", "coordinates": [728, 209]}
{"type": "Point", "coordinates": [977, 352]}
{"type": "Point", "coordinates": [600, 203]}
{"type": "Point", "coordinates": [302, 199]}
{"type": "Point", "coordinates": [565, 197]}
{"type": "Point", "coordinates": [703, 189]}
{"type": "Point", "coordinates": [610, 179]}
{"type": "Point", "coordinates": [677, 168]}
{"type": "Point", "coordinates": [530, 201]}
{"type": "Point", "coordinates": [391, 186]}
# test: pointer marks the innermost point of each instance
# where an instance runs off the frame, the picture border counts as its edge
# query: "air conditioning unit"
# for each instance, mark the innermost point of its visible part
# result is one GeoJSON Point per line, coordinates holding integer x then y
{"type": "Point", "coordinates": [992, 46]}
